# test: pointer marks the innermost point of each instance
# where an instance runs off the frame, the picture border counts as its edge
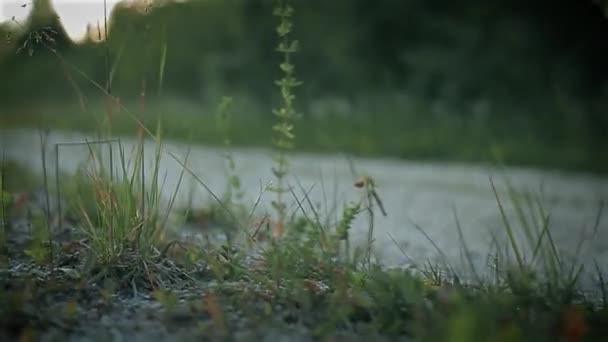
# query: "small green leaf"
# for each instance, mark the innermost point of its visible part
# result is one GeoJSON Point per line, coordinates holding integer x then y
{"type": "Point", "coordinates": [6, 199]}
{"type": "Point", "coordinates": [284, 28]}
{"type": "Point", "coordinates": [286, 67]}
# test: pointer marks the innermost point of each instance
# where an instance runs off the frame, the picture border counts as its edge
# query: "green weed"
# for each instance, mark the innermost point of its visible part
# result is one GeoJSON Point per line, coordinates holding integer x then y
{"type": "Point", "coordinates": [284, 128]}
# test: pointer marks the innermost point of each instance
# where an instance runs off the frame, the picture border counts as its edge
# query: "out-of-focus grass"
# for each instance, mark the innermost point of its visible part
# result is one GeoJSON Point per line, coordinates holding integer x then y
{"type": "Point", "coordinates": [17, 177]}
{"type": "Point", "coordinates": [374, 132]}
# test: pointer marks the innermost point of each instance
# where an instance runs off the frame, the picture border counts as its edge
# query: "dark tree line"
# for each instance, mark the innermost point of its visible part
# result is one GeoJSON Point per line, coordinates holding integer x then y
{"type": "Point", "coordinates": [514, 54]}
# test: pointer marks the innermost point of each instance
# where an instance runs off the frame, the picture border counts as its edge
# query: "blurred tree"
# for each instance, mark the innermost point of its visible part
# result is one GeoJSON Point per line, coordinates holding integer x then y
{"type": "Point", "coordinates": [542, 61]}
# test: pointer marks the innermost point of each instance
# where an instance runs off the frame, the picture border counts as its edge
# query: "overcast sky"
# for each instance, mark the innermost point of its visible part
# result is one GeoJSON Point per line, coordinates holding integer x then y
{"type": "Point", "coordinates": [74, 14]}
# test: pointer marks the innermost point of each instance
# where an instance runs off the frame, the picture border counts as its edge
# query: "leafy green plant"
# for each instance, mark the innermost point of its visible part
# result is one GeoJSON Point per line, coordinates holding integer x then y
{"type": "Point", "coordinates": [167, 298]}
{"type": "Point", "coordinates": [224, 125]}
{"type": "Point", "coordinates": [38, 248]}
{"type": "Point", "coordinates": [283, 130]}
{"type": "Point", "coordinates": [342, 234]}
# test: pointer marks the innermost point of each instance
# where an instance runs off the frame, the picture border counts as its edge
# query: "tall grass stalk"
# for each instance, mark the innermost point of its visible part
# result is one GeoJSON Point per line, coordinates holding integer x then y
{"type": "Point", "coordinates": [508, 228]}
{"type": "Point", "coordinates": [163, 63]}
{"type": "Point", "coordinates": [4, 202]}
{"type": "Point", "coordinates": [546, 264]}
{"type": "Point", "coordinates": [370, 198]}
{"type": "Point", "coordinates": [47, 202]}
{"type": "Point", "coordinates": [107, 46]}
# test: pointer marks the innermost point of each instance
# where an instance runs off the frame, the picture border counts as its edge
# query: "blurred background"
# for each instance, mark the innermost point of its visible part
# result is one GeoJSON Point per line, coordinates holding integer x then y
{"type": "Point", "coordinates": [514, 82]}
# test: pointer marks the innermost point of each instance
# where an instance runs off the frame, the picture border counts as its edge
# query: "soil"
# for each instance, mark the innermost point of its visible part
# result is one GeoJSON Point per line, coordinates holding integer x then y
{"type": "Point", "coordinates": [67, 301]}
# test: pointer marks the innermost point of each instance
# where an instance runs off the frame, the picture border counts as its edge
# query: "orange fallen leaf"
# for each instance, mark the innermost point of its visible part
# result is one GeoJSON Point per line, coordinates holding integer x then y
{"type": "Point", "coordinates": [278, 230]}
{"type": "Point", "coordinates": [215, 312]}
{"type": "Point", "coordinates": [574, 326]}
{"type": "Point", "coordinates": [20, 200]}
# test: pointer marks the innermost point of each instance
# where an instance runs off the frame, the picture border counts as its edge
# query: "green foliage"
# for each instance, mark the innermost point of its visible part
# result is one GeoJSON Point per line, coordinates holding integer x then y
{"type": "Point", "coordinates": [5, 203]}
{"type": "Point", "coordinates": [284, 128]}
{"type": "Point", "coordinates": [348, 216]}
{"type": "Point", "coordinates": [39, 248]}
{"type": "Point", "coordinates": [224, 119]}
{"type": "Point", "coordinates": [17, 178]}
{"type": "Point", "coordinates": [121, 212]}
{"type": "Point", "coordinates": [5, 198]}
{"type": "Point", "coordinates": [167, 298]}
{"type": "Point", "coordinates": [539, 268]}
